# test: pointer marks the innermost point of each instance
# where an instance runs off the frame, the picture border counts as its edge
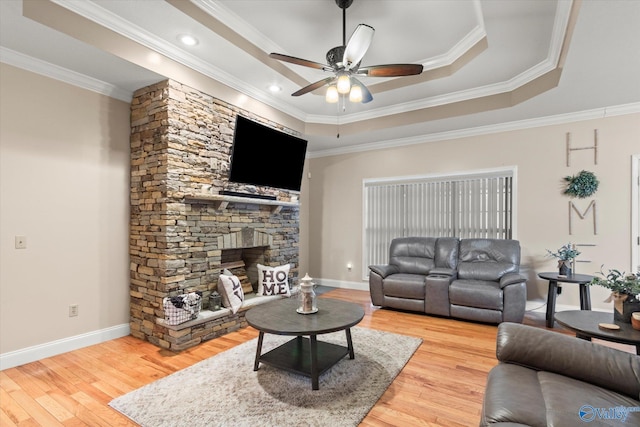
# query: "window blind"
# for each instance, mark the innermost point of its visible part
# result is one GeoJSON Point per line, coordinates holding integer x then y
{"type": "Point", "coordinates": [473, 205]}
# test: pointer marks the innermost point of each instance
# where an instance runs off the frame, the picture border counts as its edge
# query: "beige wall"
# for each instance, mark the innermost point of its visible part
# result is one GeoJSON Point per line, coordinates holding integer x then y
{"type": "Point", "coordinates": [64, 184]}
{"type": "Point", "coordinates": [335, 209]}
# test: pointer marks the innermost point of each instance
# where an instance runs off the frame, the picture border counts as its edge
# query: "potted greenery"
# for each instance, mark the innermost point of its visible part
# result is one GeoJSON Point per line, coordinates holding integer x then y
{"type": "Point", "coordinates": [565, 255]}
{"type": "Point", "coordinates": [625, 292]}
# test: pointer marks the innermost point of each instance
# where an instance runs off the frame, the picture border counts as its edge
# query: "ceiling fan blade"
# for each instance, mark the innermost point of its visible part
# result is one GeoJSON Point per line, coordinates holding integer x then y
{"type": "Point", "coordinates": [390, 70]}
{"type": "Point", "coordinates": [366, 94]}
{"type": "Point", "coordinates": [299, 61]}
{"type": "Point", "coordinates": [357, 46]}
{"type": "Point", "coordinates": [313, 86]}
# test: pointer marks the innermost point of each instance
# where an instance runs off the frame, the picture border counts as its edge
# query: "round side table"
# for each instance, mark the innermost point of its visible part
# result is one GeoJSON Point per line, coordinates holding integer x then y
{"type": "Point", "coordinates": [554, 278]}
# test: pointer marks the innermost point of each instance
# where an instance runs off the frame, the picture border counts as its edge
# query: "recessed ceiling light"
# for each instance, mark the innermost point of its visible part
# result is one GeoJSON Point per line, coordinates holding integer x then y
{"type": "Point", "coordinates": [187, 40]}
{"type": "Point", "coordinates": [274, 88]}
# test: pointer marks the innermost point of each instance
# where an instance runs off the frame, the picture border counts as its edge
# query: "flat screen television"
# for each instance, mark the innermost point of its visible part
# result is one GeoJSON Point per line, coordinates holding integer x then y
{"type": "Point", "coordinates": [265, 156]}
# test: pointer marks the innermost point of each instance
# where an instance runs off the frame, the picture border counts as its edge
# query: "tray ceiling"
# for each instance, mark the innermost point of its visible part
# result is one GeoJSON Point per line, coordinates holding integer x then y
{"type": "Point", "coordinates": [487, 62]}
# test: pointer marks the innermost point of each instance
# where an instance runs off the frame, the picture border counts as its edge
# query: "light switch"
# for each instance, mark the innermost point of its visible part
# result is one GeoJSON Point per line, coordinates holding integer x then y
{"type": "Point", "coordinates": [21, 242]}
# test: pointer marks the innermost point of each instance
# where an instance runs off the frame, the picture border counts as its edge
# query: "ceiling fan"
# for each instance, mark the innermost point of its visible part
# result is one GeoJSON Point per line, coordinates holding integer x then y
{"type": "Point", "coordinates": [344, 62]}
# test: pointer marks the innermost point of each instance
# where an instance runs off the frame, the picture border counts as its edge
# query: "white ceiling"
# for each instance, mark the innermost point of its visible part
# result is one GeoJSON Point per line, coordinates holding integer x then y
{"type": "Point", "coordinates": [488, 63]}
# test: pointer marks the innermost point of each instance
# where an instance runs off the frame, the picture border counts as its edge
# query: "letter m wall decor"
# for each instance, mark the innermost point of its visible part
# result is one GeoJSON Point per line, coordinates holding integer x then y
{"type": "Point", "coordinates": [582, 215]}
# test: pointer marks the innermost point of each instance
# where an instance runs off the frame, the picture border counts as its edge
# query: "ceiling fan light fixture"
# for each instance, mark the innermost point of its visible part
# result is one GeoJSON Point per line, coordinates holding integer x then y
{"type": "Point", "coordinates": [344, 83]}
{"type": "Point", "coordinates": [344, 62]}
{"type": "Point", "coordinates": [332, 95]}
{"type": "Point", "coordinates": [357, 45]}
{"type": "Point", "coordinates": [356, 94]}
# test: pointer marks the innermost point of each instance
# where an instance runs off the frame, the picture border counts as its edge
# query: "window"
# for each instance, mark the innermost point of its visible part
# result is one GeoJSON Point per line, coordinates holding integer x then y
{"type": "Point", "coordinates": [468, 205]}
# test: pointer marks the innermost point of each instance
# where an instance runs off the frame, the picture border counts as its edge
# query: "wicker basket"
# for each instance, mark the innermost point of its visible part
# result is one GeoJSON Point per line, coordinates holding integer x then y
{"type": "Point", "coordinates": [182, 308]}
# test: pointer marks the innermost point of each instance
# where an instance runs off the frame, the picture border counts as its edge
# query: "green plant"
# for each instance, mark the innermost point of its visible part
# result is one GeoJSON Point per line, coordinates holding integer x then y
{"type": "Point", "coordinates": [565, 253]}
{"type": "Point", "coordinates": [618, 282]}
{"type": "Point", "coordinates": [582, 185]}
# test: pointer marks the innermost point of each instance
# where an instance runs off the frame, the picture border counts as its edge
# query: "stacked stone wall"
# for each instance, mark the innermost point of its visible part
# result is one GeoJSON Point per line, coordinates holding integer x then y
{"type": "Point", "coordinates": [181, 141]}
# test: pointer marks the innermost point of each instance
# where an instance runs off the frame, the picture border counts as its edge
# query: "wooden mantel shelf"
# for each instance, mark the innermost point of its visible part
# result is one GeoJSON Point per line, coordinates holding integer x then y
{"type": "Point", "coordinates": [221, 201]}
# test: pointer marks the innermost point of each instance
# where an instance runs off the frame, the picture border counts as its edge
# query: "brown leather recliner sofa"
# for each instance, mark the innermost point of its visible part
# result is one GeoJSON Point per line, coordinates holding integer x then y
{"type": "Point", "coordinates": [545, 378]}
{"type": "Point", "coordinates": [473, 279]}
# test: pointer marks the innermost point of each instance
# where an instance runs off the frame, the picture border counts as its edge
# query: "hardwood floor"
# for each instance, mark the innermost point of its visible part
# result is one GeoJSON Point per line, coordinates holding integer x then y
{"type": "Point", "coordinates": [442, 384]}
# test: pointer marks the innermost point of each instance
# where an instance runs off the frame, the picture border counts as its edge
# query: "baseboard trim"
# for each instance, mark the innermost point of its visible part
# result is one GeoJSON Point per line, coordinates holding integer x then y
{"type": "Point", "coordinates": [538, 306]}
{"type": "Point", "coordinates": [359, 286]}
{"type": "Point", "coordinates": [53, 348]}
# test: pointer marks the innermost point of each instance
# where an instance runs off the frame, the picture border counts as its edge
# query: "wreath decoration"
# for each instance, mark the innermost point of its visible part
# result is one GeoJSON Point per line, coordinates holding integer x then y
{"type": "Point", "coordinates": [582, 185]}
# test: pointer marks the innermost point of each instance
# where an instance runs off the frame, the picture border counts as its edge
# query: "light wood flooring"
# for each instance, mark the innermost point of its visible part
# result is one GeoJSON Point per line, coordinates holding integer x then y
{"type": "Point", "coordinates": [442, 384]}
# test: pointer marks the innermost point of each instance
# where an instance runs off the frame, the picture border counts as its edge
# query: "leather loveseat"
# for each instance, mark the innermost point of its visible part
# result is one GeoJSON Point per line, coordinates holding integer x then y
{"type": "Point", "coordinates": [545, 378]}
{"type": "Point", "coordinates": [473, 279]}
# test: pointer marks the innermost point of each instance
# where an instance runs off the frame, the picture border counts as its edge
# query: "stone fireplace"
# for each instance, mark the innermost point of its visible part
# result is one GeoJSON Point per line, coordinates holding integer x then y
{"type": "Point", "coordinates": [182, 232]}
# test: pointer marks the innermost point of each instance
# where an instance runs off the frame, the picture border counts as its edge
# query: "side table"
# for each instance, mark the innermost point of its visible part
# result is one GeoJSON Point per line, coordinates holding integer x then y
{"type": "Point", "coordinates": [554, 278]}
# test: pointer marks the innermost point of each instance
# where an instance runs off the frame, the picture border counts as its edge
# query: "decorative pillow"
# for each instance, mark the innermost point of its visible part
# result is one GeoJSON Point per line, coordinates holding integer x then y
{"type": "Point", "coordinates": [230, 291]}
{"type": "Point", "coordinates": [273, 280]}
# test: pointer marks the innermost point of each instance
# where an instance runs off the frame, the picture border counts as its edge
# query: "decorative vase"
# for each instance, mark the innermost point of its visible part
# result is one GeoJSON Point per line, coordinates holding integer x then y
{"type": "Point", "coordinates": [564, 269]}
{"type": "Point", "coordinates": [623, 306]}
{"type": "Point", "coordinates": [307, 296]}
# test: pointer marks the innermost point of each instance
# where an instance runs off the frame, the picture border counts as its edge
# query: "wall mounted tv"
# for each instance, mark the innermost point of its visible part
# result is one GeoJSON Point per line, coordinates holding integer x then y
{"type": "Point", "coordinates": [265, 156]}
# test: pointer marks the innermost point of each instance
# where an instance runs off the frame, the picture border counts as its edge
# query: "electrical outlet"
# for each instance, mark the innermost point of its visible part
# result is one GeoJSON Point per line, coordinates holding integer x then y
{"type": "Point", "coordinates": [21, 242]}
{"type": "Point", "coordinates": [73, 310]}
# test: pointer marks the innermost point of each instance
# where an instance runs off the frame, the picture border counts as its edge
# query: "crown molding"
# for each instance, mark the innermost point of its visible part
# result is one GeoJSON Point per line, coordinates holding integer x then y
{"type": "Point", "coordinates": [435, 101]}
{"type": "Point", "coordinates": [47, 69]}
{"type": "Point", "coordinates": [113, 22]}
{"type": "Point", "coordinates": [236, 23]}
{"type": "Point", "coordinates": [127, 29]}
{"type": "Point", "coordinates": [547, 65]}
{"type": "Point", "coordinates": [465, 44]}
{"type": "Point", "coordinates": [53, 71]}
{"type": "Point", "coordinates": [597, 113]}
{"type": "Point", "coordinates": [560, 28]}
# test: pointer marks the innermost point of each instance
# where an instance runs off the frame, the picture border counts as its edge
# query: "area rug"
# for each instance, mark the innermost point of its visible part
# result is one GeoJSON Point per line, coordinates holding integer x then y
{"type": "Point", "coordinates": [224, 390]}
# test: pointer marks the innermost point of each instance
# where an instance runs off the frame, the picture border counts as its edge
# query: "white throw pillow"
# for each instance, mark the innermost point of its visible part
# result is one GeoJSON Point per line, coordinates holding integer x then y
{"type": "Point", "coordinates": [273, 280]}
{"type": "Point", "coordinates": [231, 293]}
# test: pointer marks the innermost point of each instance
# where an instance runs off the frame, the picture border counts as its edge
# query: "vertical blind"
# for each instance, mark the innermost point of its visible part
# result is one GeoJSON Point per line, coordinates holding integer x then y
{"type": "Point", "coordinates": [477, 205]}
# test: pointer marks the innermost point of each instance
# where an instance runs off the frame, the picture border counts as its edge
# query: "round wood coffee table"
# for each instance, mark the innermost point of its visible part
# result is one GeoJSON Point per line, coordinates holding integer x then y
{"type": "Point", "coordinates": [585, 325]}
{"type": "Point", "coordinates": [306, 356]}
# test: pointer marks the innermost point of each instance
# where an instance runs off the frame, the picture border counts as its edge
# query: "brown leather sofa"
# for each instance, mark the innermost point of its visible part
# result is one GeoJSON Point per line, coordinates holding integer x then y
{"type": "Point", "coordinates": [545, 378]}
{"type": "Point", "coordinates": [473, 279]}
